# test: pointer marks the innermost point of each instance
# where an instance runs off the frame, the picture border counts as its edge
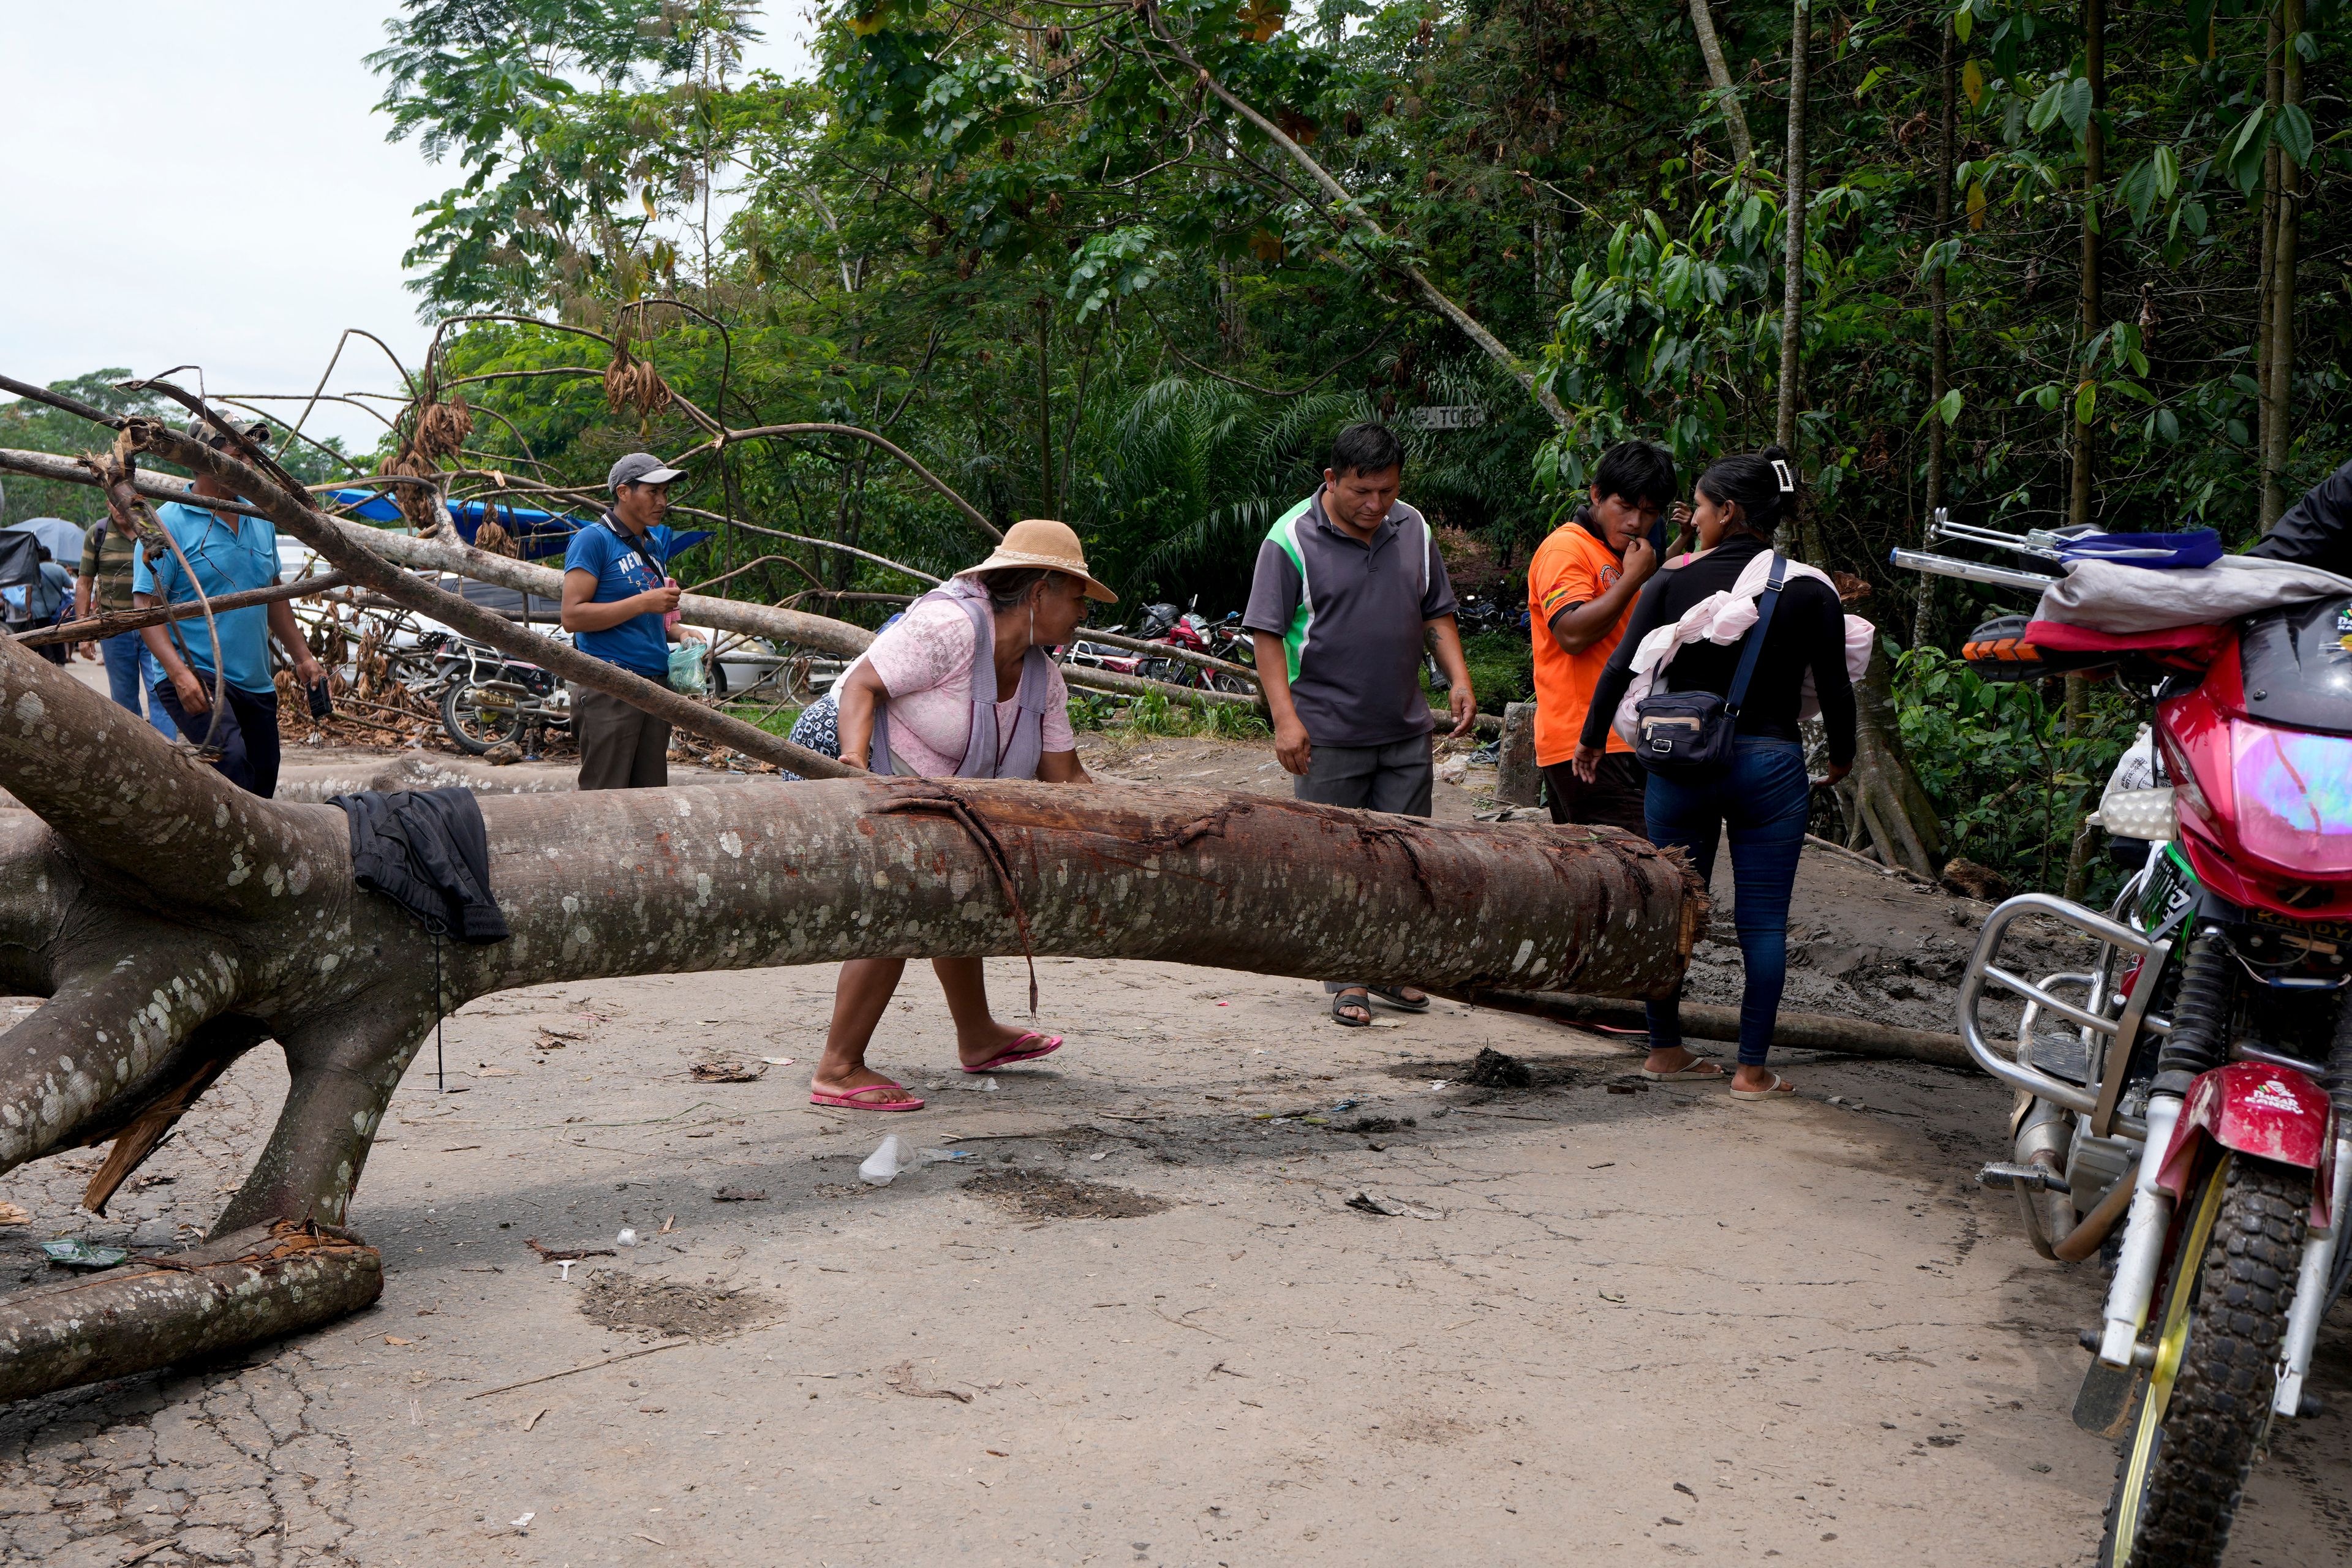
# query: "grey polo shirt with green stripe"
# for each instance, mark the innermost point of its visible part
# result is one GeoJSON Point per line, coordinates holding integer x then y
{"type": "Point", "coordinates": [1351, 614]}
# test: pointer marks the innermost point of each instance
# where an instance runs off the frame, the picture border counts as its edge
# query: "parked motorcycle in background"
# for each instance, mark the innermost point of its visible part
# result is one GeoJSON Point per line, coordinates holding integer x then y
{"type": "Point", "coordinates": [489, 699]}
{"type": "Point", "coordinates": [2186, 1101]}
{"type": "Point", "coordinates": [1190, 631]}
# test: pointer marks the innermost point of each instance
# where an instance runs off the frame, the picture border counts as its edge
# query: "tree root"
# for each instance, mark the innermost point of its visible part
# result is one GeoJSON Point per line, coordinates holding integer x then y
{"type": "Point", "coordinates": [255, 1285]}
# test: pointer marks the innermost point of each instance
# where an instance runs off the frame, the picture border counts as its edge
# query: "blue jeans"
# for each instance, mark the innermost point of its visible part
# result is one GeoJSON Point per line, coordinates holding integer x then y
{"type": "Point", "coordinates": [1764, 799]}
{"type": "Point", "coordinates": [131, 671]}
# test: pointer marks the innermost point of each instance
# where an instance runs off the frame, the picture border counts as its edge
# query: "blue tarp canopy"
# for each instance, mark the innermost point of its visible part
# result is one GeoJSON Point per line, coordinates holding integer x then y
{"type": "Point", "coordinates": [540, 535]}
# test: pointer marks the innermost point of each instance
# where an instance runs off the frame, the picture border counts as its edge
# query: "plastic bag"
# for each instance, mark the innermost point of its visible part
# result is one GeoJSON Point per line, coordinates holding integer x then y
{"type": "Point", "coordinates": [687, 662]}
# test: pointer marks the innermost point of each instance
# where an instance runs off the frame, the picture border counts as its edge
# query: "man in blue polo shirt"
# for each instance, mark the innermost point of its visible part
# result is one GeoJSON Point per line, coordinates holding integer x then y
{"type": "Point", "coordinates": [230, 554]}
{"type": "Point", "coordinates": [1350, 584]}
{"type": "Point", "coordinates": [616, 596]}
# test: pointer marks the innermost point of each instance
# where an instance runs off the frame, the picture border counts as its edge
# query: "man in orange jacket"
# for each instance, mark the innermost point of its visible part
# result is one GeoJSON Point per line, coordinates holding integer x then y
{"type": "Point", "coordinates": [1580, 590]}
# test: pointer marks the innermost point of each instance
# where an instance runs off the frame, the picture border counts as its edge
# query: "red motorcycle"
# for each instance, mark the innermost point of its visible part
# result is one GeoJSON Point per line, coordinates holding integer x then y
{"type": "Point", "coordinates": [2187, 1101]}
{"type": "Point", "coordinates": [1166, 624]}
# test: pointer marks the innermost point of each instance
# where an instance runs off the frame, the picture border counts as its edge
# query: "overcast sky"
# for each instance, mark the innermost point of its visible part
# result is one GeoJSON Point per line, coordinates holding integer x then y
{"type": "Point", "coordinates": [107, 260]}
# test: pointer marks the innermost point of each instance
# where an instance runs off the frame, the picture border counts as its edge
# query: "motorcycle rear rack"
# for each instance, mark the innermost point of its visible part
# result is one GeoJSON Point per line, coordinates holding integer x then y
{"type": "Point", "coordinates": [2096, 1100]}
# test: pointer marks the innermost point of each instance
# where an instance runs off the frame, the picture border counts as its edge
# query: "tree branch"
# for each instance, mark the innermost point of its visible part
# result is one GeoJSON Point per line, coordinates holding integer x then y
{"type": "Point", "coordinates": [1348, 210]}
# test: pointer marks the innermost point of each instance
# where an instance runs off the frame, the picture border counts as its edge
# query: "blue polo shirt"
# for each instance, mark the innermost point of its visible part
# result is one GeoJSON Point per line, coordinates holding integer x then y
{"type": "Point", "coordinates": [231, 554]}
{"type": "Point", "coordinates": [640, 643]}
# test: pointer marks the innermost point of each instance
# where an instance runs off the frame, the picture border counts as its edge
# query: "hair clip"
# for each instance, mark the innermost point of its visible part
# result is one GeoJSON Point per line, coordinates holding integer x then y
{"type": "Point", "coordinates": [1788, 480]}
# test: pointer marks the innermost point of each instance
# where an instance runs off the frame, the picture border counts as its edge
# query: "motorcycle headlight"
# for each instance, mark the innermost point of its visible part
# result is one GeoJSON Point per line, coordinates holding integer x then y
{"type": "Point", "coordinates": [2294, 797]}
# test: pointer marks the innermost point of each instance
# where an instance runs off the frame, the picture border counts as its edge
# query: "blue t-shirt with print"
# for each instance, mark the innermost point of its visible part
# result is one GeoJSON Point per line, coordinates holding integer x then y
{"type": "Point", "coordinates": [640, 643]}
{"type": "Point", "coordinates": [231, 554]}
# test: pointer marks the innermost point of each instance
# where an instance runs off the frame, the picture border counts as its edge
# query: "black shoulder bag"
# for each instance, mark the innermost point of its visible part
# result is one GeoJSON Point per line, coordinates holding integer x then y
{"type": "Point", "coordinates": [1689, 735]}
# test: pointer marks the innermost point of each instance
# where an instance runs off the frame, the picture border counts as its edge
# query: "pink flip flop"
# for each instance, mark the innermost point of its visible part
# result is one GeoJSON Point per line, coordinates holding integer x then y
{"type": "Point", "coordinates": [1052, 1043]}
{"type": "Point", "coordinates": [850, 1102]}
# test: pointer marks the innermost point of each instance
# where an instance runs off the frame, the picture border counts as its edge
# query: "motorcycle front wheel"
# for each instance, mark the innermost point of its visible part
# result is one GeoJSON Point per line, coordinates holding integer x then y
{"type": "Point", "coordinates": [2206, 1406]}
{"type": "Point", "coordinates": [476, 729]}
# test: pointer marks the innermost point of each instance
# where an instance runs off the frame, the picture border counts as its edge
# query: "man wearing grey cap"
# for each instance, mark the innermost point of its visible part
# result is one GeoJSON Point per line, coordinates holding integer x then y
{"type": "Point", "coordinates": [617, 595]}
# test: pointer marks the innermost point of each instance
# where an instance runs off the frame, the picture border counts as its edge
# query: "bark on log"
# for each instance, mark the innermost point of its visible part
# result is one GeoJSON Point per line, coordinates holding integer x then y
{"type": "Point", "coordinates": [1797, 1031]}
{"type": "Point", "coordinates": [257, 1284]}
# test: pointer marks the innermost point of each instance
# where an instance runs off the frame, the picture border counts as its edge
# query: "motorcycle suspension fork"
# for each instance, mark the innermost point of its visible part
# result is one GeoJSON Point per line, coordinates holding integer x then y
{"type": "Point", "coordinates": [2198, 1042]}
{"type": "Point", "coordinates": [2322, 1247]}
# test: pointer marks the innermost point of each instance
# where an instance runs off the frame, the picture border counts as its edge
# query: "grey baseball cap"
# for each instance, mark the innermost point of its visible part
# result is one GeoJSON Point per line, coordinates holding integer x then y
{"type": "Point", "coordinates": [641, 469]}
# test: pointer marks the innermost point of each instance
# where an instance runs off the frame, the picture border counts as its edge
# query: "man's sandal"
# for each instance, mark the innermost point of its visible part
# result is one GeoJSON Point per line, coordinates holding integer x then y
{"type": "Point", "coordinates": [1394, 996]}
{"type": "Point", "coordinates": [1354, 999]}
{"type": "Point", "coordinates": [1781, 1090]}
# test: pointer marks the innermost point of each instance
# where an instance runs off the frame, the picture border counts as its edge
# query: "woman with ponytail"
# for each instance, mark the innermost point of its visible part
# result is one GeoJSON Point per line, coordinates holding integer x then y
{"type": "Point", "coordinates": [1763, 797]}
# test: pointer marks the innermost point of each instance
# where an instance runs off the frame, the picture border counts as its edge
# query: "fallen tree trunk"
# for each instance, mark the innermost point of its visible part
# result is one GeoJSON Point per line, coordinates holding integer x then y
{"type": "Point", "coordinates": [173, 920]}
{"type": "Point", "coordinates": [1797, 1031]}
{"type": "Point", "coordinates": [255, 1285]}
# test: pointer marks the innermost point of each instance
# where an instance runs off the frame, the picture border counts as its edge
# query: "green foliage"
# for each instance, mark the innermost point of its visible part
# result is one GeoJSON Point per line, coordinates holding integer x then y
{"type": "Point", "coordinates": [1153, 714]}
{"type": "Point", "coordinates": [34, 426]}
{"type": "Point", "coordinates": [1502, 670]}
{"type": "Point", "coordinates": [2009, 781]}
{"type": "Point", "coordinates": [1034, 252]}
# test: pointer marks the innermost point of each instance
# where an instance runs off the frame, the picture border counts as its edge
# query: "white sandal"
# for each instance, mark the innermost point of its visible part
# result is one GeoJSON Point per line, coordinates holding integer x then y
{"type": "Point", "coordinates": [1781, 1087]}
{"type": "Point", "coordinates": [1704, 1068]}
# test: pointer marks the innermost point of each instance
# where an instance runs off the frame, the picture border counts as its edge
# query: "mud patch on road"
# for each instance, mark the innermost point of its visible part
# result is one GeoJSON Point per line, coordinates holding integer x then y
{"type": "Point", "coordinates": [1039, 1194]}
{"type": "Point", "coordinates": [624, 1304]}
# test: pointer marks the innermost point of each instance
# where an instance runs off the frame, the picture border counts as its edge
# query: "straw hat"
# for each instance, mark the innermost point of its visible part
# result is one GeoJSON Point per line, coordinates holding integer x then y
{"type": "Point", "coordinates": [1042, 542]}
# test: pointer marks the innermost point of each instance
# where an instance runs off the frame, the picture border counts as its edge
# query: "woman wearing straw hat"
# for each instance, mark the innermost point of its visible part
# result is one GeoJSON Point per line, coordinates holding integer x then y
{"type": "Point", "coordinates": [958, 687]}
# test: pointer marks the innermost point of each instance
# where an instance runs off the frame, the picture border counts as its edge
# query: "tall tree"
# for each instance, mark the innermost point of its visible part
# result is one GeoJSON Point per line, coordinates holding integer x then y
{"type": "Point", "coordinates": [2094, 71]}
{"type": "Point", "coordinates": [2290, 148]}
{"type": "Point", "coordinates": [1726, 92]}
{"type": "Point", "coordinates": [1939, 323]}
{"type": "Point", "coordinates": [1792, 288]}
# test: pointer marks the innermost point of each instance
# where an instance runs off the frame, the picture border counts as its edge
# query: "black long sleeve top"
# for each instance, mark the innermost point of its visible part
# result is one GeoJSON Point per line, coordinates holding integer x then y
{"type": "Point", "coordinates": [1808, 631]}
{"type": "Point", "coordinates": [2317, 529]}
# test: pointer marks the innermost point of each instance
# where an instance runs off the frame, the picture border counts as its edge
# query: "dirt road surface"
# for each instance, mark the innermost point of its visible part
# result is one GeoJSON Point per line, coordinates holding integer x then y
{"type": "Point", "coordinates": [1221, 1283]}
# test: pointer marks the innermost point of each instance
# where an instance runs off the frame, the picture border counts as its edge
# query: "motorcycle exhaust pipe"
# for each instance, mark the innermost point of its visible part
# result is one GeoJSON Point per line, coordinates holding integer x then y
{"type": "Point", "coordinates": [2085, 1238]}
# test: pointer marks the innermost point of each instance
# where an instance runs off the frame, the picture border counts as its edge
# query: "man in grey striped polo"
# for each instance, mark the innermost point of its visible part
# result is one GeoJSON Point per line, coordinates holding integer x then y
{"type": "Point", "coordinates": [1349, 587]}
